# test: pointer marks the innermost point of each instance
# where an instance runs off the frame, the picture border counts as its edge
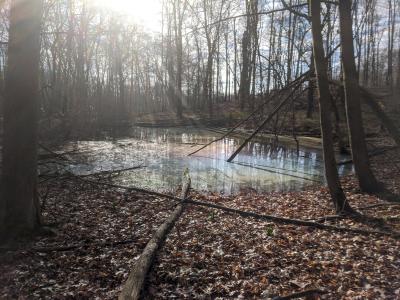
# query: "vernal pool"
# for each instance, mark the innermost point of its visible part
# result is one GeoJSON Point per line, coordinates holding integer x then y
{"type": "Point", "coordinates": [163, 154]}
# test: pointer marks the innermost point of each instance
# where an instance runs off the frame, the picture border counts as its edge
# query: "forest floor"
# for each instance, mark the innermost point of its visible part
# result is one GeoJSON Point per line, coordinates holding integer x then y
{"type": "Point", "coordinates": [99, 232]}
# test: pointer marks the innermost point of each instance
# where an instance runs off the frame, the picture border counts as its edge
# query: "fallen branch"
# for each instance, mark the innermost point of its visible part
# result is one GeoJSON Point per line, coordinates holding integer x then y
{"type": "Point", "coordinates": [127, 188]}
{"type": "Point", "coordinates": [108, 172]}
{"type": "Point", "coordinates": [311, 292]}
{"type": "Point", "coordinates": [78, 246]}
{"type": "Point", "coordinates": [328, 218]}
{"type": "Point", "coordinates": [283, 220]}
{"type": "Point", "coordinates": [52, 153]}
{"type": "Point", "coordinates": [275, 219]}
{"type": "Point", "coordinates": [265, 168]}
{"type": "Point", "coordinates": [266, 120]}
{"type": "Point", "coordinates": [251, 114]}
{"type": "Point", "coordinates": [378, 205]}
{"type": "Point", "coordinates": [134, 285]}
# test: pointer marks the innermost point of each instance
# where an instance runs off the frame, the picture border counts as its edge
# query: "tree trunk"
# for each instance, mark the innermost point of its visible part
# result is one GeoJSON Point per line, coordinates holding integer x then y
{"type": "Point", "coordinates": [335, 189]}
{"type": "Point", "coordinates": [19, 177]}
{"type": "Point", "coordinates": [244, 88]}
{"type": "Point", "coordinates": [366, 178]}
{"type": "Point", "coordinates": [178, 15]}
{"type": "Point", "coordinates": [310, 92]}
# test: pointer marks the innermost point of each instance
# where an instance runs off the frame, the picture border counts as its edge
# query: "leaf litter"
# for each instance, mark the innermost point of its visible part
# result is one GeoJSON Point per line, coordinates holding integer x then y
{"type": "Point", "coordinates": [209, 254]}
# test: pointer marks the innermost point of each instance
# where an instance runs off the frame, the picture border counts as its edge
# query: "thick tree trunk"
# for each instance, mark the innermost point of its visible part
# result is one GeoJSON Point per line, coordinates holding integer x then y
{"type": "Point", "coordinates": [20, 119]}
{"type": "Point", "coordinates": [366, 178]}
{"type": "Point", "coordinates": [337, 194]}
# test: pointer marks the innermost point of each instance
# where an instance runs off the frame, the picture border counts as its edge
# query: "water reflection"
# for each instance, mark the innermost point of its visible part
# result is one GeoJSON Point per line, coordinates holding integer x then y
{"type": "Point", "coordinates": [260, 166]}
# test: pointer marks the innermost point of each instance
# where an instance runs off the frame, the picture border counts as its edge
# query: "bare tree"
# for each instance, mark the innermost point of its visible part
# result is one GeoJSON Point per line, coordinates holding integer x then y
{"type": "Point", "coordinates": [337, 194]}
{"type": "Point", "coordinates": [366, 178]}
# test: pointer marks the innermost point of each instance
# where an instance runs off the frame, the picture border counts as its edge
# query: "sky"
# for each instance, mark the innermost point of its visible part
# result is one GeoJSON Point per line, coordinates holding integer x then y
{"type": "Point", "coordinates": [144, 12]}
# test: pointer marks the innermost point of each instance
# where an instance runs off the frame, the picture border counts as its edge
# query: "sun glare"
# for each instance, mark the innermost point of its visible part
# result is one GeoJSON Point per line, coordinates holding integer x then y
{"type": "Point", "coordinates": [143, 12]}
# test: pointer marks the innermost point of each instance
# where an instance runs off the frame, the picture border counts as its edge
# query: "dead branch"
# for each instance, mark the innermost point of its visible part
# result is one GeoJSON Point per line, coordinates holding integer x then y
{"type": "Point", "coordinates": [311, 292]}
{"type": "Point", "coordinates": [245, 214]}
{"type": "Point", "coordinates": [299, 222]}
{"type": "Point", "coordinates": [52, 153]}
{"type": "Point", "coordinates": [80, 246]}
{"type": "Point", "coordinates": [258, 109]}
{"type": "Point", "coordinates": [378, 205]}
{"type": "Point", "coordinates": [109, 172]}
{"type": "Point", "coordinates": [328, 218]}
{"type": "Point", "coordinates": [127, 188]}
{"type": "Point", "coordinates": [270, 116]}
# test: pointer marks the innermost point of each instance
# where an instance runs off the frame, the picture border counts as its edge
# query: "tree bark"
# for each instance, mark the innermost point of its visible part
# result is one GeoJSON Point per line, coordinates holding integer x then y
{"type": "Point", "coordinates": [331, 174]}
{"type": "Point", "coordinates": [20, 119]}
{"type": "Point", "coordinates": [244, 88]}
{"type": "Point", "coordinates": [310, 94]}
{"type": "Point", "coordinates": [366, 178]}
{"type": "Point", "coordinates": [135, 283]}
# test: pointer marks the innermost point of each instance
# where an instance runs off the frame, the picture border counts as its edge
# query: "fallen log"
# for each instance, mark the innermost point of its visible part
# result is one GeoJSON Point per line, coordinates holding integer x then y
{"type": "Point", "coordinates": [134, 285]}
{"type": "Point", "coordinates": [311, 292]}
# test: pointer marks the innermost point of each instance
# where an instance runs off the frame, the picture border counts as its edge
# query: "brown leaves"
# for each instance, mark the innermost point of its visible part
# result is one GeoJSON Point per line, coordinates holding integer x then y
{"type": "Point", "coordinates": [265, 260]}
{"type": "Point", "coordinates": [209, 254]}
{"type": "Point", "coordinates": [85, 216]}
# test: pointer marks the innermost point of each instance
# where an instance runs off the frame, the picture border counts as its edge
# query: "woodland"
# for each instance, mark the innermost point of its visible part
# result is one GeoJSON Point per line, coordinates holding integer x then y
{"type": "Point", "coordinates": [200, 149]}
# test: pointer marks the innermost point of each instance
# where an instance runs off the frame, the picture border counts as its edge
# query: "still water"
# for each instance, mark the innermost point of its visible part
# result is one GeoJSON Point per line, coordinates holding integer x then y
{"type": "Point", "coordinates": [163, 154]}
